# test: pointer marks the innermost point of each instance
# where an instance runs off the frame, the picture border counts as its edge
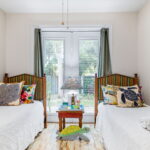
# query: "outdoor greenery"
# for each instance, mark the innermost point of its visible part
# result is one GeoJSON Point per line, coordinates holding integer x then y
{"type": "Point", "coordinates": [53, 52]}
{"type": "Point", "coordinates": [88, 54]}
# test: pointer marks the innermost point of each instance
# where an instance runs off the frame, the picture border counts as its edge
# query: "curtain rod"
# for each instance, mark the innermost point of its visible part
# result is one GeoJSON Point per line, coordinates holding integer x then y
{"type": "Point", "coordinates": [70, 31]}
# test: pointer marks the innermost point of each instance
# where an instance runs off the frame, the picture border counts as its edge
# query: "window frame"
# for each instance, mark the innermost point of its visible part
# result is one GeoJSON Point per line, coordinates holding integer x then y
{"type": "Point", "coordinates": [85, 36]}
{"type": "Point", "coordinates": [73, 38]}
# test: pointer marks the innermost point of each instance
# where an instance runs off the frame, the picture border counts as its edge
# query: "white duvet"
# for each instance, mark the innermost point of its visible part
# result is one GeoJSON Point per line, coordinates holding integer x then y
{"type": "Point", "coordinates": [120, 128]}
{"type": "Point", "coordinates": [19, 125]}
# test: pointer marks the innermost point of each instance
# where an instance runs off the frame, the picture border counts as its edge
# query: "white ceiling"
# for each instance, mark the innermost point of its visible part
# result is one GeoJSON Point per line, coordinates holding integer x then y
{"type": "Point", "coordinates": [46, 6]}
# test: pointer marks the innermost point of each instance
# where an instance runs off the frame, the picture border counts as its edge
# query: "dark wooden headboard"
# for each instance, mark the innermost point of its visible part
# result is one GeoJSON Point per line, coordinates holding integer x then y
{"type": "Point", "coordinates": [40, 92]}
{"type": "Point", "coordinates": [114, 79]}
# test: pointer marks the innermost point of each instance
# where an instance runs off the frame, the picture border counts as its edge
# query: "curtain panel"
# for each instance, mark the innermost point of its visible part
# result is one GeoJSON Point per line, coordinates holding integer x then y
{"type": "Point", "coordinates": [104, 65]}
{"type": "Point", "coordinates": [38, 54]}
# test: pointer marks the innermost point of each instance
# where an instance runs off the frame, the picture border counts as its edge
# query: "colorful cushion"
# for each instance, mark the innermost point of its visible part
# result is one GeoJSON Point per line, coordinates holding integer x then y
{"type": "Point", "coordinates": [27, 95]}
{"type": "Point", "coordinates": [10, 94]}
{"type": "Point", "coordinates": [129, 96]}
{"type": "Point", "coordinates": [110, 94]}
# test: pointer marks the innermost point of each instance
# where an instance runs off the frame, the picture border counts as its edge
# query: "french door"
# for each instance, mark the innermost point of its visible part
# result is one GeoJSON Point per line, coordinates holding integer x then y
{"type": "Point", "coordinates": [70, 54]}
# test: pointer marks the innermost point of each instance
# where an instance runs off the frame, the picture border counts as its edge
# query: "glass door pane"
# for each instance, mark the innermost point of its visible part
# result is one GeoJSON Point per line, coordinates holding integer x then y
{"type": "Point", "coordinates": [53, 67]}
{"type": "Point", "coordinates": [88, 58]}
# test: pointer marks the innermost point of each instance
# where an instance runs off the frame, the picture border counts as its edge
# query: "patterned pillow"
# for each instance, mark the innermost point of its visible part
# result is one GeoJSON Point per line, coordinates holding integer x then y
{"type": "Point", "coordinates": [10, 94]}
{"type": "Point", "coordinates": [110, 94]}
{"type": "Point", "coordinates": [129, 97]}
{"type": "Point", "coordinates": [27, 95]}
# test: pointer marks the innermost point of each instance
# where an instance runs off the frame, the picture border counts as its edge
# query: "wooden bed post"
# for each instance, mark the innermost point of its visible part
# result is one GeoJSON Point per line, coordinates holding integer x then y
{"type": "Point", "coordinates": [136, 80]}
{"type": "Point", "coordinates": [96, 98]}
{"type": "Point", "coordinates": [44, 101]}
{"type": "Point", "coordinates": [5, 78]}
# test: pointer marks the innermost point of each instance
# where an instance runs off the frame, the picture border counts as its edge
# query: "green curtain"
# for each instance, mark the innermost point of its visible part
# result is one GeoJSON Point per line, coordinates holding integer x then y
{"type": "Point", "coordinates": [38, 54]}
{"type": "Point", "coordinates": [104, 65]}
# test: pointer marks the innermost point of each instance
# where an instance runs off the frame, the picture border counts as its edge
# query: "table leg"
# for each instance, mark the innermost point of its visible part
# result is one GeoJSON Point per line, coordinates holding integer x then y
{"type": "Point", "coordinates": [80, 122]}
{"type": "Point", "coordinates": [60, 124]}
{"type": "Point", "coordinates": [63, 123]}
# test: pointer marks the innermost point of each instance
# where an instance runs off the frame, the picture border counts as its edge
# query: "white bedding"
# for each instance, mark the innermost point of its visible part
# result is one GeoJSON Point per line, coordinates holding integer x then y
{"type": "Point", "coordinates": [120, 128]}
{"type": "Point", "coordinates": [19, 125]}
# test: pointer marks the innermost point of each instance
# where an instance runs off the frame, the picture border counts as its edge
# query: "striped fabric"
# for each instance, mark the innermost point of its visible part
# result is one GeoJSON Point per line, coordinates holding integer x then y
{"type": "Point", "coordinates": [30, 79]}
{"type": "Point", "coordinates": [115, 79]}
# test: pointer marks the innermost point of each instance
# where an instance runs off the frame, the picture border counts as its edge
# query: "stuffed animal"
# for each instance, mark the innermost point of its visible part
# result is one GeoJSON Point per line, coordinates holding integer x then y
{"type": "Point", "coordinates": [73, 133]}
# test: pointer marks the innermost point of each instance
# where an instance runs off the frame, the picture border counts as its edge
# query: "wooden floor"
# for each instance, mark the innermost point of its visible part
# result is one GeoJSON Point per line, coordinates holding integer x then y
{"type": "Point", "coordinates": [47, 140]}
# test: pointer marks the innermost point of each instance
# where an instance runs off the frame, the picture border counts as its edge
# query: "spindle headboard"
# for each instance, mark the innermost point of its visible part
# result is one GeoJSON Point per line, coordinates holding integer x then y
{"type": "Point", "coordinates": [40, 92]}
{"type": "Point", "coordinates": [114, 79]}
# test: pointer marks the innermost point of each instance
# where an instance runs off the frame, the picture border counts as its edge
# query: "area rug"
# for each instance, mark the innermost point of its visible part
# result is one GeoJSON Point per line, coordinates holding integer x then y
{"type": "Point", "coordinates": [47, 141]}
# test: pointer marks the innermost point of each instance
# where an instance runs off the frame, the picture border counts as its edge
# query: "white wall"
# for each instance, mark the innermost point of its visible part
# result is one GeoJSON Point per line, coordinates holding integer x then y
{"type": "Point", "coordinates": [2, 44]}
{"type": "Point", "coordinates": [19, 38]}
{"type": "Point", "coordinates": [144, 50]}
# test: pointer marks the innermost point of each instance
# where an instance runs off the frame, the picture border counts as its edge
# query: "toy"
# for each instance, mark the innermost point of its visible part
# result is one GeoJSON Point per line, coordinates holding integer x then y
{"type": "Point", "coordinates": [73, 133]}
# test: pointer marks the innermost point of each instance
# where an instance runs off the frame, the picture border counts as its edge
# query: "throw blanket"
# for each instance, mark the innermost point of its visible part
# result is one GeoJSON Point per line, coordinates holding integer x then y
{"type": "Point", "coordinates": [145, 123]}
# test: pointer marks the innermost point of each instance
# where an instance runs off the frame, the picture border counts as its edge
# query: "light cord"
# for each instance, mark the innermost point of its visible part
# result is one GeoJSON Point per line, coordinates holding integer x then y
{"type": "Point", "coordinates": [67, 14]}
{"type": "Point", "coordinates": [62, 23]}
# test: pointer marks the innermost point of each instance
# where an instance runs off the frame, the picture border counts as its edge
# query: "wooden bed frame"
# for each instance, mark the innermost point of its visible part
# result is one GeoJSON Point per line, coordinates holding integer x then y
{"type": "Point", "coordinates": [114, 79]}
{"type": "Point", "coordinates": [40, 92]}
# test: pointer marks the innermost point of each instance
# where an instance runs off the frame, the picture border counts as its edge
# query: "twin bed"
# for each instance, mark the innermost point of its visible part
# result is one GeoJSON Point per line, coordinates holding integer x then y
{"type": "Point", "coordinates": [19, 125]}
{"type": "Point", "coordinates": [120, 128]}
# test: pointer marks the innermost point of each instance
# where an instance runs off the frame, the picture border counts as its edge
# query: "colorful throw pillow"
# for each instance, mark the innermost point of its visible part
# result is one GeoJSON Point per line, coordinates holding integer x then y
{"type": "Point", "coordinates": [27, 95]}
{"type": "Point", "coordinates": [129, 96]}
{"type": "Point", "coordinates": [10, 94]}
{"type": "Point", "coordinates": [110, 94]}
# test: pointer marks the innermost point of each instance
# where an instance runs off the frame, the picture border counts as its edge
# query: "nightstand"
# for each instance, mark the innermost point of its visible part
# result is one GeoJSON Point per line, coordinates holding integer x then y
{"type": "Point", "coordinates": [69, 112]}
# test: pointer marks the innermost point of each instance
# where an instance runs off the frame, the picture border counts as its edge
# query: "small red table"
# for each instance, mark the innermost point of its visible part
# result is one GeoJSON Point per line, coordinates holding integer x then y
{"type": "Point", "coordinates": [62, 114]}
